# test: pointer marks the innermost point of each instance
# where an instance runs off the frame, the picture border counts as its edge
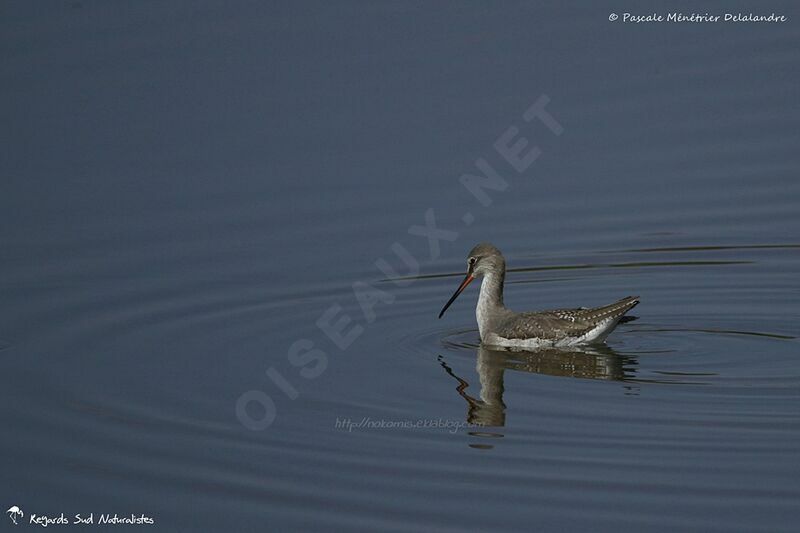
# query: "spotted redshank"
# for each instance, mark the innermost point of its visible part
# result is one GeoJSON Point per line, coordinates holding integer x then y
{"type": "Point", "coordinates": [500, 326]}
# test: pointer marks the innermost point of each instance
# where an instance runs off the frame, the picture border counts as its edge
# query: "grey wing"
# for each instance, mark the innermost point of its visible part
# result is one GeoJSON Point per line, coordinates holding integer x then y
{"type": "Point", "coordinates": [595, 315]}
{"type": "Point", "coordinates": [544, 325]}
{"type": "Point", "coordinates": [560, 323]}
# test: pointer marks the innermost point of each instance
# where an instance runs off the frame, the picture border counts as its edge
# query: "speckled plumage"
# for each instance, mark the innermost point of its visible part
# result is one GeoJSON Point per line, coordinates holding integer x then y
{"type": "Point", "coordinates": [501, 326]}
{"type": "Point", "coordinates": [560, 326]}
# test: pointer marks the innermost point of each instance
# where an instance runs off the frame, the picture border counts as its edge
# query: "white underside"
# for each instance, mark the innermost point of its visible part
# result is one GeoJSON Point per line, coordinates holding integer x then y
{"type": "Point", "coordinates": [595, 335]}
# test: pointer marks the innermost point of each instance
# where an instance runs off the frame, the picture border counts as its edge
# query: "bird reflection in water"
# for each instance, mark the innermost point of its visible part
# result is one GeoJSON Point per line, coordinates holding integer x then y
{"type": "Point", "coordinates": [585, 362]}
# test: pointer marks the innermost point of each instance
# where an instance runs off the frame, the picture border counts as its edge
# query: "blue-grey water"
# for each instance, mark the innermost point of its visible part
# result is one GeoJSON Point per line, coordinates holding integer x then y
{"type": "Point", "coordinates": [191, 190]}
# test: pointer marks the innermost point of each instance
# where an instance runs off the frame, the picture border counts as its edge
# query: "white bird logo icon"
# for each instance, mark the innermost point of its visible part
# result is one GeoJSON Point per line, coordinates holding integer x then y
{"type": "Point", "coordinates": [15, 512]}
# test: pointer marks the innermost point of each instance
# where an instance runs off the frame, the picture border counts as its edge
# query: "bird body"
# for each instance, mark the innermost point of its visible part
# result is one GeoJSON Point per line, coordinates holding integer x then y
{"type": "Point", "coordinates": [500, 326]}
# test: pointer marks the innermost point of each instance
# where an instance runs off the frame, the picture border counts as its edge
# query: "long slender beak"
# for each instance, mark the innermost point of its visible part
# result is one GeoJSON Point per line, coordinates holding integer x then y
{"type": "Point", "coordinates": [459, 290]}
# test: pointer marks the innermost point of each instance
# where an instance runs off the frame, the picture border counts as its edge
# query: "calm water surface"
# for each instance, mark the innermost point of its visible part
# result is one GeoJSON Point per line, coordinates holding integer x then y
{"type": "Point", "coordinates": [188, 188]}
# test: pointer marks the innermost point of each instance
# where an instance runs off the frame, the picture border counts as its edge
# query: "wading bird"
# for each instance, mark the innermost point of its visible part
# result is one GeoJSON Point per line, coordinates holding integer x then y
{"type": "Point", "coordinates": [500, 326]}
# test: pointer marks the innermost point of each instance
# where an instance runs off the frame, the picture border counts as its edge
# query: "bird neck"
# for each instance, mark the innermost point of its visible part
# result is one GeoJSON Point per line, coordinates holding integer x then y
{"type": "Point", "coordinates": [492, 289]}
{"type": "Point", "coordinates": [490, 300]}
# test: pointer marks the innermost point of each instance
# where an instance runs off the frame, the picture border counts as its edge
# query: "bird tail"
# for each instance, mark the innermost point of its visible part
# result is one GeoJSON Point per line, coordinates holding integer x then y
{"type": "Point", "coordinates": [620, 307]}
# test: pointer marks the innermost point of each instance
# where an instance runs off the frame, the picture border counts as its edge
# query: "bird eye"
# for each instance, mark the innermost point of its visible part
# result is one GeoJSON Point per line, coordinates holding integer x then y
{"type": "Point", "coordinates": [472, 260]}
